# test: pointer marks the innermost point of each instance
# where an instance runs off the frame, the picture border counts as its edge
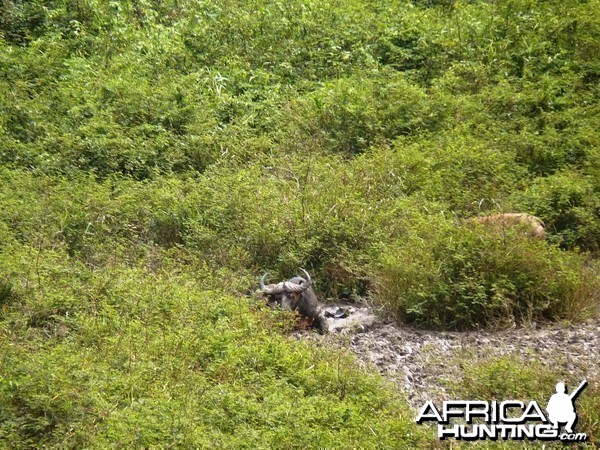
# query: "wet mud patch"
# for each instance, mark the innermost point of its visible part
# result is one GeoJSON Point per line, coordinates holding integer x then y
{"type": "Point", "coordinates": [424, 363]}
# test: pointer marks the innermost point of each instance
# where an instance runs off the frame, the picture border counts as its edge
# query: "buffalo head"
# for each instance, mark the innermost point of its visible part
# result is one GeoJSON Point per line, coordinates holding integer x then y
{"type": "Point", "coordinates": [295, 294]}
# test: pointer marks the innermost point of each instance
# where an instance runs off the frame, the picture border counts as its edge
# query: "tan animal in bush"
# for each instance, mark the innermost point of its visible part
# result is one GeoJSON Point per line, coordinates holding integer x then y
{"type": "Point", "coordinates": [533, 225]}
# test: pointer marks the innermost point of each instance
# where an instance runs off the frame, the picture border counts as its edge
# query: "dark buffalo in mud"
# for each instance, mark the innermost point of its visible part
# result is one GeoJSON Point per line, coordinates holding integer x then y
{"type": "Point", "coordinates": [296, 294]}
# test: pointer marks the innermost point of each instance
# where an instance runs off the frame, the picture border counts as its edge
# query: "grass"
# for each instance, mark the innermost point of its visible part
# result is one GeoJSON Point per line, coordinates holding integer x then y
{"type": "Point", "coordinates": [157, 157]}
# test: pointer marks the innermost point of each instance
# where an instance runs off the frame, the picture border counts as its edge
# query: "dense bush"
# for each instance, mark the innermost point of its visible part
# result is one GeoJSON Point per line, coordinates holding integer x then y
{"type": "Point", "coordinates": [156, 157]}
{"type": "Point", "coordinates": [350, 115]}
{"type": "Point", "coordinates": [514, 377]}
{"type": "Point", "coordinates": [149, 356]}
{"type": "Point", "coordinates": [445, 275]}
{"type": "Point", "coordinates": [569, 204]}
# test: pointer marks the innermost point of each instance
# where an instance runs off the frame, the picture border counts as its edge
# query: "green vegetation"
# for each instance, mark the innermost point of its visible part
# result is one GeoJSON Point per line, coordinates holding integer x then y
{"type": "Point", "coordinates": [511, 377]}
{"type": "Point", "coordinates": [464, 278]}
{"type": "Point", "coordinates": [134, 357]}
{"type": "Point", "coordinates": [156, 157]}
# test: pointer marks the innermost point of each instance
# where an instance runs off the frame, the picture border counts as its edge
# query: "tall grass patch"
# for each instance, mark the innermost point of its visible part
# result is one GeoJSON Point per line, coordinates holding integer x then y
{"type": "Point", "coordinates": [447, 275]}
{"type": "Point", "coordinates": [131, 357]}
{"type": "Point", "coordinates": [513, 378]}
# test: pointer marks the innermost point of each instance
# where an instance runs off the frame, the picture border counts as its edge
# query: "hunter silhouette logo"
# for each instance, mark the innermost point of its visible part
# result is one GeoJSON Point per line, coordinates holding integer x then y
{"type": "Point", "coordinates": [510, 419]}
{"type": "Point", "coordinates": [561, 408]}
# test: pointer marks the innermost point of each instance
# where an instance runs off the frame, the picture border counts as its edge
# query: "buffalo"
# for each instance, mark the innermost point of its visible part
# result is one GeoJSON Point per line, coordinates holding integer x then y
{"type": "Point", "coordinates": [531, 224]}
{"type": "Point", "coordinates": [296, 294]}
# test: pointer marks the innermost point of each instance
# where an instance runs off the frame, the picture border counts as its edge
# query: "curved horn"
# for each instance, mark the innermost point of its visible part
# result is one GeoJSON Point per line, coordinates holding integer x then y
{"type": "Point", "coordinates": [262, 281]}
{"type": "Point", "coordinates": [270, 290]}
{"type": "Point", "coordinates": [293, 287]}
{"type": "Point", "coordinates": [289, 286]}
{"type": "Point", "coordinates": [308, 280]}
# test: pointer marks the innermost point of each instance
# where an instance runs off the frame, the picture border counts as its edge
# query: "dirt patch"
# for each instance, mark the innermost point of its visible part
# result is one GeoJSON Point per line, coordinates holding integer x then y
{"type": "Point", "coordinates": [423, 362]}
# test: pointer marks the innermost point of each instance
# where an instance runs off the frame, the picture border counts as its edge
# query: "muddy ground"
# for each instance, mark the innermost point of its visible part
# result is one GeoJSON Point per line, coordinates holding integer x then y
{"type": "Point", "coordinates": [423, 363]}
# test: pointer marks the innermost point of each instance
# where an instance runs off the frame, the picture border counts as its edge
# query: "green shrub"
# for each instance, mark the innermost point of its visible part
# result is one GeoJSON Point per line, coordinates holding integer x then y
{"type": "Point", "coordinates": [464, 174]}
{"type": "Point", "coordinates": [321, 214]}
{"type": "Point", "coordinates": [569, 205]}
{"type": "Point", "coordinates": [512, 377]}
{"type": "Point", "coordinates": [351, 114]}
{"type": "Point", "coordinates": [133, 357]}
{"type": "Point", "coordinates": [504, 378]}
{"type": "Point", "coordinates": [451, 276]}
